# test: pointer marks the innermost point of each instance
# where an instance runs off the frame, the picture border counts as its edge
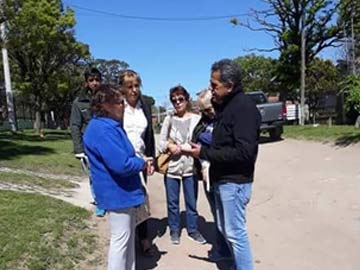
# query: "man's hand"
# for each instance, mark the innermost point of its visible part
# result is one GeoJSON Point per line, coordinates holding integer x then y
{"type": "Point", "coordinates": [194, 151]}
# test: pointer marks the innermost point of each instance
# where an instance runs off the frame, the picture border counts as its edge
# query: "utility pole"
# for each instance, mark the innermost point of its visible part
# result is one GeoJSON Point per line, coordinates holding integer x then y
{"type": "Point", "coordinates": [158, 115]}
{"type": "Point", "coordinates": [9, 93]}
{"type": "Point", "coordinates": [303, 69]}
{"type": "Point", "coordinates": [353, 44]}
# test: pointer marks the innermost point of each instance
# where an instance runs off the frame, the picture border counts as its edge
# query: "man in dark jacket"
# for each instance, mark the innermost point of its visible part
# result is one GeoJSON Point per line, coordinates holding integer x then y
{"type": "Point", "coordinates": [80, 111]}
{"type": "Point", "coordinates": [80, 117]}
{"type": "Point", "coordinates": [232, 155]}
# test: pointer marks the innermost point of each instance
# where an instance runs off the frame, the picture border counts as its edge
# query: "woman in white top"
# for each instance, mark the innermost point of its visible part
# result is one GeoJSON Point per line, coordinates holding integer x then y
{"type": "Point", "coordinates": [138, 127]}
{"type": "Point", "coordinates": [175, 135]}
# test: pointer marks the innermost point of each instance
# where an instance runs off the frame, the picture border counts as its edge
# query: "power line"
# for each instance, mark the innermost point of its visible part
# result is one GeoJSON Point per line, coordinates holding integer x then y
{"type": "Point", "coordinates": [168, 19]}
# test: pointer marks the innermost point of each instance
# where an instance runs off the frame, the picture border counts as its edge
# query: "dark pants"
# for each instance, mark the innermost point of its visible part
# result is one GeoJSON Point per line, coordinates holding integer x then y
{"type": "Point", "coordinates": [142, 228]}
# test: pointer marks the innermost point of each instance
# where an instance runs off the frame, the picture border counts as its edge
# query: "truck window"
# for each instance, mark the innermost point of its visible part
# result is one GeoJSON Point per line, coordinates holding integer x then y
{"type": "Point", "coordinates": [258, 98]}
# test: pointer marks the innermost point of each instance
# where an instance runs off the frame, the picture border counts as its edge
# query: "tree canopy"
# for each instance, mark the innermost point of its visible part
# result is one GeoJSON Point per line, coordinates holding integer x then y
{"type": "Point", "coordinates": [42, 42]}
{"type": "Point", "coordinates": [258, 72]}
{"type": "Point", "coordinates": [110, 69]}
{"type": "Point", "coordinates": [285, 20]}
{"type": "Point", "coordinates": [47, 62]}
{"type": "Point", "coordinates": [322, 77]}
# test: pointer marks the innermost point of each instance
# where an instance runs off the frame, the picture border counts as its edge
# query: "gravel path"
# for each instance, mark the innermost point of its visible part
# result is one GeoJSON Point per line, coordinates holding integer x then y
{"type": "Point", "coordinates": [304, 213]}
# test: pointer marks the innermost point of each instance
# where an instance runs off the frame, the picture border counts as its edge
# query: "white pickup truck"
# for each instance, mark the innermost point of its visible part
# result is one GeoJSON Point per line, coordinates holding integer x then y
{"type": "Point", "coordinates": [273, 115]}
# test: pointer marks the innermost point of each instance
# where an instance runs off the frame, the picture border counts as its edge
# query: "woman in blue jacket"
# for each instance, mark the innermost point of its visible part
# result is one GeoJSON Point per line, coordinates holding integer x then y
{"type": "Point", "coordinates": [114, 169]}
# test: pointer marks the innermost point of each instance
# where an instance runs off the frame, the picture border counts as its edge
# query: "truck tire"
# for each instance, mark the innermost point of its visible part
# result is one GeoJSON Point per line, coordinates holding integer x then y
{"type": "Point", "coordinates": [275, 133]}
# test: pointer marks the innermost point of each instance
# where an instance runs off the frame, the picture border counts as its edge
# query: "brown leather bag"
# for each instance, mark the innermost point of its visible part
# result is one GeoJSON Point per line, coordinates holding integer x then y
{"type": "Point", "coordinates": [161, 162]}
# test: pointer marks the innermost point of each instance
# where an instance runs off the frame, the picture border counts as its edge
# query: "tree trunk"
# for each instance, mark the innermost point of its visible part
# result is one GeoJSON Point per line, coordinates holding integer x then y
{"type": "Point", "coordinates": [37, 109]}
{"type": "Point", "coordinates": [357, 122]}
{"type": "Point", "coordinates": [37, 120]}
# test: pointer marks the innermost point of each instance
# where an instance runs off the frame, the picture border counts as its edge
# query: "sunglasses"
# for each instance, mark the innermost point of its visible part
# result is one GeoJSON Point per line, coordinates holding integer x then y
{"type": "Point", "coordinates": [178, 100]}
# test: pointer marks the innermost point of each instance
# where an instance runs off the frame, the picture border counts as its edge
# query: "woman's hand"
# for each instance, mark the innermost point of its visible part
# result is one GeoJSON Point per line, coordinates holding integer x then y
{"type": "Point", "coordinates": [174, 148]}
{"type": "Point", "coordinates": [150, 167]}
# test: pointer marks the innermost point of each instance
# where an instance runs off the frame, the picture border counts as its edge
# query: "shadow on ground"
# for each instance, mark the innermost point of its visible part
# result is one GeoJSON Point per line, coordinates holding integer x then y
{"type": "Point", "coordinates": [32, 136]}
{"type": "Point", "coordinates": [266, 139]}
{"type": "Point", "coordinates": [207, 229]}
{"type": "Point", "coordinates": [28, 143]}
{"type": "Point", "coordinates": [10, 150]}
{"type": "Point", "coordinates": [347, 140]}
{"type": "Point", "coordinates": [158, 228]}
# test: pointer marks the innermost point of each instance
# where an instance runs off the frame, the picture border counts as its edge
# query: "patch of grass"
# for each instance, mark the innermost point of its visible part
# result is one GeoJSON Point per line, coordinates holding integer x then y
{"type": "Point", "coordinates": [25, 179]}
{"type": "Point", "coordinates": [26, 150]}
{"type": "Point", "coordinates": [341, 135]}
{"type": "Point", "coordinates": [39, 232]}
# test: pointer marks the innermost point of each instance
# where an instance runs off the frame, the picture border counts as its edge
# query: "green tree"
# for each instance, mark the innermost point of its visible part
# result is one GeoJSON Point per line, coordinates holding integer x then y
{"type": "Point", "coordinates": [258, 73]}
{"type": "Point", "coordinates": [41, 43]}
{"type": "Point", "coordinates": [110, 69]}
{"type": "Point", "coordinates": [65, 86]}
{"type": "Point", "coordinates": [352, 91]}
{"type": "Point", "coordinates": [322, 77]}
{"type": "Point", "coordinates": [283, 21]}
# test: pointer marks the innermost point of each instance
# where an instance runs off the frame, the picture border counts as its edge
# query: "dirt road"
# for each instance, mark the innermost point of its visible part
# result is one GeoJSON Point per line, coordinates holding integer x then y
{"type": "Point", "coordinates": [304, 213]}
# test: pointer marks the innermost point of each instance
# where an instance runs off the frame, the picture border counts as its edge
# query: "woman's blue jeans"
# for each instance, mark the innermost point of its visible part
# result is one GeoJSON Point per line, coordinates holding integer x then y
{"type": "Point", "coordinates": [230, 202]}
{"type": "Point", "coordinates": [190, 190]}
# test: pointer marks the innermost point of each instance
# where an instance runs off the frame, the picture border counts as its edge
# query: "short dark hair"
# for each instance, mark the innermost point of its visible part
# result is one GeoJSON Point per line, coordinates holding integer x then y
{"type": "Point", "coordinates": [106, 94]}
{"type": "Point", "coordinates": [92, 72]}
{"type": "Point", "coordinates": [179, 89]}
{"type": "Point", "coordinates": [230, 72]}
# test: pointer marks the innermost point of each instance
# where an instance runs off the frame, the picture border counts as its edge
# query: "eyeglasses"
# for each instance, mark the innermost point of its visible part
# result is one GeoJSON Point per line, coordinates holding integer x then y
{"type": "Point", "coordinates": [178, 100]}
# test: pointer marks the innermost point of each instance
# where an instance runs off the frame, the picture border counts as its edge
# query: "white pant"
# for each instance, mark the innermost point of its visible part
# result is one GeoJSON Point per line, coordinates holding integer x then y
{"type": "Point", "coordinates": [122, 243]}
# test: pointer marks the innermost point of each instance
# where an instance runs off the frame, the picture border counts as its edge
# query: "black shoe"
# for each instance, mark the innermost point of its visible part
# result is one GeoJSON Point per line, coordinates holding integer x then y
{"type": "Point", "coordinates": [197, 237]}
{"type": "Point", "coordinates": [175, 237]}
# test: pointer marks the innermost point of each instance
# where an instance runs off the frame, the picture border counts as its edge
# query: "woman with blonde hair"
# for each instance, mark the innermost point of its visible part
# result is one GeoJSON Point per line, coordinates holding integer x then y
{"type": "Point", "coordinates": [138, 126]}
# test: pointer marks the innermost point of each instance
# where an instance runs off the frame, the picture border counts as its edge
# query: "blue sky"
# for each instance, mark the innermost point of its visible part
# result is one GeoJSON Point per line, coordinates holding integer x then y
{"type": "Point", "coordinates": [167, 53]}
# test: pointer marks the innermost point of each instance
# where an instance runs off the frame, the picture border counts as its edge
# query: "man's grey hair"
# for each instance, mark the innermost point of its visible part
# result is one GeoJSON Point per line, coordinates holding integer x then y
{"type": "Point", "coordinates": [230, 72]}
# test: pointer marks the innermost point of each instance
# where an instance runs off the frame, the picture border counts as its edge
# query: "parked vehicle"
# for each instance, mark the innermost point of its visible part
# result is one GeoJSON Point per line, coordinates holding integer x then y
{"type": "Point", "coordinates": [273, 114]}
{"type": "Point", "coordinates": [292, 112]}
